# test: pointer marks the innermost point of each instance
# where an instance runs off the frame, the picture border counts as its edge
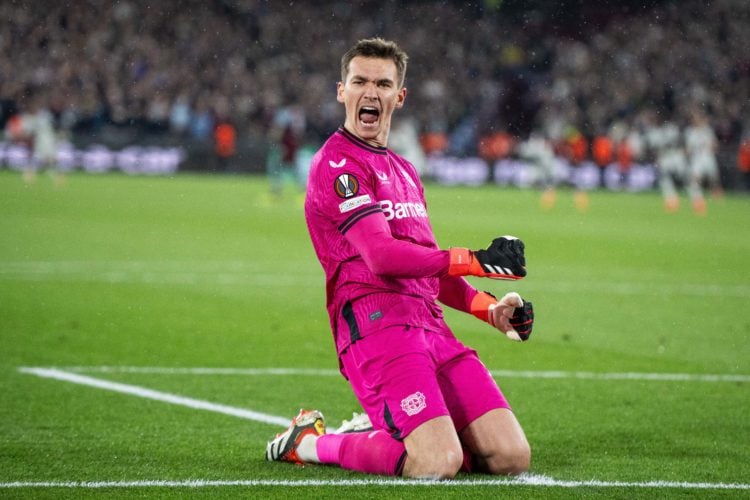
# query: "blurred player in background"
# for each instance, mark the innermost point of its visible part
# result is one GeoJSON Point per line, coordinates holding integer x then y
{"type": "Point", "coordinates": [575, 149]}
{"type": "Point", "coordinates": [666, 141]}
{"type": "Point", "coordinates": [286, 137]}
{"type": "Point", "coordinates": [701, 145]}
{"type": "Point", "coordinates": [404, 141]}
{"type": "Point", "coordinates": [36, 129]}
{"type": "Point", "coordinates": [539, 152]}
{"type": "Point", "coordinates": [433, 406]}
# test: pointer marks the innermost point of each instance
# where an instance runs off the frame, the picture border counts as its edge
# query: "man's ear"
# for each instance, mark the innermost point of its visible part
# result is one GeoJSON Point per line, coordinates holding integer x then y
{"type": "Point", "coordinates": [340, 92]}
{"type": "Point", "coordinates": [401, 97]}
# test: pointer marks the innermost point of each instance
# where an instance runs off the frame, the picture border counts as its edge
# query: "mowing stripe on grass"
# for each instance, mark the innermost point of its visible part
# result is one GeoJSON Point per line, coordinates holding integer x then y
{"type": "Point", "coordinates": [322, 372]}
{"type": "Point", "coordinates": [245, 273]}
{"type": "Point", "coordinates": [528, 480]}
{"type": "Point", "coordinates": [658, 377]}
{"type": "Point", "coordinates": [165, 397]}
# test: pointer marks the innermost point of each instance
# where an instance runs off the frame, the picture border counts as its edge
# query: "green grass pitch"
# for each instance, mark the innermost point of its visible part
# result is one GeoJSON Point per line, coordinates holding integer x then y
{"type": "Point", "coordinates": [202, 272]}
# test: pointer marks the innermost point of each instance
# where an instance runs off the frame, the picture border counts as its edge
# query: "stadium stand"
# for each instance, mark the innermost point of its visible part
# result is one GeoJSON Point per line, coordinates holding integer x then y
{"type": "Point", "coordinates": [143, 72]}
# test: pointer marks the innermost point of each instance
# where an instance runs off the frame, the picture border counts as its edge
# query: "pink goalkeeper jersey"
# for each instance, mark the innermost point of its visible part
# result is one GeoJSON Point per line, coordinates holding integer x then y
{"type": "Point", "coordinates": [351, 180]}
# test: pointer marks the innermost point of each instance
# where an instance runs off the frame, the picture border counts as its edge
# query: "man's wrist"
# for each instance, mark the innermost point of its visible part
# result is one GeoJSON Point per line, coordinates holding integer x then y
{"type": "Point", "coordinates": [460, 261]}
{"type": "Point", "coordinates": [480, 305]}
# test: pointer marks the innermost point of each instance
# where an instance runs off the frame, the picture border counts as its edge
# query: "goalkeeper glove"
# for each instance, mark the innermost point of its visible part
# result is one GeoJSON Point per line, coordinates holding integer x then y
{"type": "Point", "coordinates": [511, 315]}
{"type": "Point", "coordinates": [503, 260]}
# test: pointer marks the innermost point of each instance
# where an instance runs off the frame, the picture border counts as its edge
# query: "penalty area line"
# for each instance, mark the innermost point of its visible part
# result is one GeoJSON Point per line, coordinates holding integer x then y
{"type": "Point", "coordinates": [166, 397]}
{"type": "Point", "coordinates": [322, 372]}
{"type": "Point", "coordinates": [525, 480]}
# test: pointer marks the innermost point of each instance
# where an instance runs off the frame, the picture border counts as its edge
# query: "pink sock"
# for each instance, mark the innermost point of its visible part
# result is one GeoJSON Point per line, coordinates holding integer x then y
{"type": "Point", "coordinates": [328, 446]}
{"type": "Point", "coordinates": [372, 452]}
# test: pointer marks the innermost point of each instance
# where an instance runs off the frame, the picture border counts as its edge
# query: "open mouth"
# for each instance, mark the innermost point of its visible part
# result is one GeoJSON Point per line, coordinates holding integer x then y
{"type": "Point", "coordinates": [368, 115]}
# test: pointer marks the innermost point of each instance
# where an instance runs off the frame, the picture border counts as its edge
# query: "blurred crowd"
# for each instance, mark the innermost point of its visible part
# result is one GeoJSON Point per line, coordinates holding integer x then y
{"type": "Point", "coordinates": [478, 80]}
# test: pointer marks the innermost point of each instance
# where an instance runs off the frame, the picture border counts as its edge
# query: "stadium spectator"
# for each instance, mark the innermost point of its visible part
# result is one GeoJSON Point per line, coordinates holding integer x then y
{"type": "Point", "coordinates": [434, 406]}
{"type": "Point", "coordinates": [202, 123]}
{"type": "Point", "coordinates": [180, 114]}
{"type": "Point", "coordinates": [225, 142]}
{"type": "Point", "coordinates": [602, 151]}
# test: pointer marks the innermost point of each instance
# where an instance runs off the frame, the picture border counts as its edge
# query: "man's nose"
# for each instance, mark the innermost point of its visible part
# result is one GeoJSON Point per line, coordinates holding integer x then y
{"type": "Point", "coordinates": [371, 91]}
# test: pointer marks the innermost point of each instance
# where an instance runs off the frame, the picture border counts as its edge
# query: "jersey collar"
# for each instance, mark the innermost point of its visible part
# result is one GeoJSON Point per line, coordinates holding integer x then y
{"type": "Point", "coordinates": [359, 142]}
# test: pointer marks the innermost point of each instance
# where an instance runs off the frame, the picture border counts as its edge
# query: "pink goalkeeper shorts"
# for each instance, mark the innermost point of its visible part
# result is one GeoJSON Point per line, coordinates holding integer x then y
{"type": "Point", "coordinates": [405, 376]}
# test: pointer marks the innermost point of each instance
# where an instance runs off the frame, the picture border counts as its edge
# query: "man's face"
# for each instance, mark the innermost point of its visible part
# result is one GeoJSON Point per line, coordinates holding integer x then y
{"type": "Point", "coordinates": [370, 94]}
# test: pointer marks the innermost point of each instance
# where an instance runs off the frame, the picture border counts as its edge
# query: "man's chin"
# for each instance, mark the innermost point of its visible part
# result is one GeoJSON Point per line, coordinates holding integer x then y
{"type": "Point", "coordinates": [367, 132]}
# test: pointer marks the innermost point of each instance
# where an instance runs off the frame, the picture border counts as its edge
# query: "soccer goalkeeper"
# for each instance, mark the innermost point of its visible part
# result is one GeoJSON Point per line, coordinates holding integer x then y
{"type": "Point", "coordinates": [434, 407]}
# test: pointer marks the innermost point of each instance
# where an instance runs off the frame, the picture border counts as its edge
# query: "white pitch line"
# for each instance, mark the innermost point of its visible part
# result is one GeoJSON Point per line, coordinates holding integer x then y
{"type": "Point", "coordinates": [165, 397]}
{"type": "Point", "coordinates": [529, 480]}
{"type": "Point", "coordinates": [167, 370]}
{"type": "Point", "coordinates": [322, 372]}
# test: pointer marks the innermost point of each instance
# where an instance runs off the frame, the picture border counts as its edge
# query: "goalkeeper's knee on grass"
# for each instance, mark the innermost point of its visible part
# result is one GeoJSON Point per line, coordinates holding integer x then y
{"type": "Point", "coordinates": [504, 259]}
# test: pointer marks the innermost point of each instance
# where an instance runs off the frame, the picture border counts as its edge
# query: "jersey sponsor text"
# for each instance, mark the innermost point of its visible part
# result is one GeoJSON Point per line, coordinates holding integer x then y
{"type": "Point", "coordinates": [403, 210]}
